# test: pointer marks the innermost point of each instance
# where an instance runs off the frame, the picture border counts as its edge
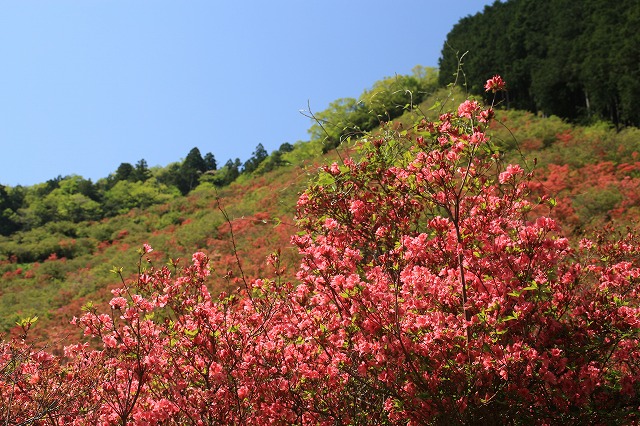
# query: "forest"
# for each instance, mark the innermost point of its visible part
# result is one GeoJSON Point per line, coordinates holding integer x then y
{"type": "Point", "coordinates": [436, 253]}
{"type": "Point", "coordinates": [574, 59]}
{"type": "Point", "coordinates": [75, 199]}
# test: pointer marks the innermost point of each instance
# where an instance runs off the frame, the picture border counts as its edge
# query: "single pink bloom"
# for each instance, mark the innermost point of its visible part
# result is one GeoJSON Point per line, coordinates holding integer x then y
{"type": "Point", "coordinates": [495, 84]}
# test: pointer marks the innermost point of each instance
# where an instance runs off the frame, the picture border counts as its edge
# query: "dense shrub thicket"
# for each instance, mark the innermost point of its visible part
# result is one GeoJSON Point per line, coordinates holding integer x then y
{"type": "Point", "coordinates": [432, 290]}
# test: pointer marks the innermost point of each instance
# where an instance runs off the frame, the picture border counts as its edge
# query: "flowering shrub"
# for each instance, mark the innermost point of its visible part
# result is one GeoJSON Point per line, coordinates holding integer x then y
{"type": "Point", "coordinates": [37, 388]}
{"type": "Point", "coordinates": [428, 293]}
{"type": "Point", "coordinates": [441, 299]}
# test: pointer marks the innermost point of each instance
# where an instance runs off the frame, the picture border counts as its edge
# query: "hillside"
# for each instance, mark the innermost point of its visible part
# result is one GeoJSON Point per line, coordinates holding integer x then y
{"type": "Point", "coordinates": [443, 254]}
{"type": "Point", "coordinates": [424, 278]}
{"type": "Point", "coordinates": [59, 240]}
{"type": "Point", "coordinates": [63, 237]}
{"type": "Point", "coordinates": [260, 209]}
{"type": "Point", "coordinates": [592, 171]}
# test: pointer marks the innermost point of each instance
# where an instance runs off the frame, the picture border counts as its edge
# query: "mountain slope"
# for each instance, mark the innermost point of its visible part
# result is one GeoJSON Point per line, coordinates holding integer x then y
{"type": "Point", "coordinates": [592, 171]}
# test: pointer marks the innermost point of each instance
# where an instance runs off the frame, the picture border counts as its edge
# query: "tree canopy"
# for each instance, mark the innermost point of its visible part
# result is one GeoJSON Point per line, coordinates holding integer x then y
{"type": "Point", "coordinates": [576, 60]}
{"type": "Point", "coordinates": [389, 98]}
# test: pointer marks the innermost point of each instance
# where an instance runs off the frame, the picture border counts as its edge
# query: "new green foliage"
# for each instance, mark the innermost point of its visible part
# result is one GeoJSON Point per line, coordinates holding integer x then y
{"type": "Point", "coordinates": [389, 98]}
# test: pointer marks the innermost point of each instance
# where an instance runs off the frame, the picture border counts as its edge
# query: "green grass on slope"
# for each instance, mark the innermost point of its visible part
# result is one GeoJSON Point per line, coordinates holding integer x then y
{"type": "Point", "coordinates": [593, 171]}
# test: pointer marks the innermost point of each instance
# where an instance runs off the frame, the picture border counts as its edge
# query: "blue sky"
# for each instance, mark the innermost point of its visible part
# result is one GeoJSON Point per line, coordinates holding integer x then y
{"type": "Point", "coordinates": [86, 85]}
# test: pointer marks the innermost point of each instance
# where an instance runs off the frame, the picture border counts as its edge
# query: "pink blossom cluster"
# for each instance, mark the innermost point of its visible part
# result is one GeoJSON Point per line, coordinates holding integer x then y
{"type": "Point", "coordinates": [427, 293]}
{"type": "Point", "coordinates": [495, 84]}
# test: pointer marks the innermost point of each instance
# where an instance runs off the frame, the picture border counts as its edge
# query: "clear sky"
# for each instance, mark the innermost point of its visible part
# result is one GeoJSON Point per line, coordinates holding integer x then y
{"type": "Point", "coordinates": [88, 84]}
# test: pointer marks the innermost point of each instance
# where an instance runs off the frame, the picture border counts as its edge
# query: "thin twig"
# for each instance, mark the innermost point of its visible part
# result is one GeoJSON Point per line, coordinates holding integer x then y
{"type": "Point", "coordinates": [235, 247]}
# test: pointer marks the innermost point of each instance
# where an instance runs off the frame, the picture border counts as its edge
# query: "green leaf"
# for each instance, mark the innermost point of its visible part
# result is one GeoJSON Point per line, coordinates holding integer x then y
{"type": "Point", "coordinates": [191, 333]}
{"type": "Point", "coordinates": [27, 322]}
{"type": "Point", "coordinates": [89, 306]}
{"type": "Point", "coordinates": [325, 179]}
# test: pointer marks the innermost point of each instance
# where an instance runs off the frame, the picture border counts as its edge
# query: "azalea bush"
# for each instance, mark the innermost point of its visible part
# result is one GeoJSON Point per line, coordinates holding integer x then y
{"type": "Point", "coordinates": [443, 299]}
{"type": "Point", "coordinates": [432, 290]}
{"type": "Point", "coordinates": [39, 388]}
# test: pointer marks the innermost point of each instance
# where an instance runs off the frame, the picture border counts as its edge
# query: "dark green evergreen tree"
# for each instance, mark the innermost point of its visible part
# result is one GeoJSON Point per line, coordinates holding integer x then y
{"type": "Point", "coordinates": [141, 172]}
{"type": "Point", "coordinates": [10, 202]}
{"type": "Point", "coordinates": [257, 157]}
{"type": "Point", "coordinates": [577, 60]}
{"type": "Point", "coordinates": [190, 171]}
{"type": "Point", "coordinates": [285, 147]}
{"type": "Point", "coordinates": [210, 162]}
{"type": "Point", "coordinates": [125, 171]}
{"type": "Point", "coordinates": [194, 161]}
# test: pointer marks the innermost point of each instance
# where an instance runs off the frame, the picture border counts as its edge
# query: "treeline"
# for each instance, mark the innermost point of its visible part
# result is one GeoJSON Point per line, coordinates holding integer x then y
{"type": "Point", "coordinates": [389, 98]}
{"type": "Point", "coordinates": [74, 199]}
{"type": "Point", "coordinates": [574, 59]}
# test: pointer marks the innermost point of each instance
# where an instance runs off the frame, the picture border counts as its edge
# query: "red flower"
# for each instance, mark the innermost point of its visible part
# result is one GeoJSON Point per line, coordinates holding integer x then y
{"type": "Point", "coordinates": [468, 108]}
{"type": "Point", "coordinates": [495, 84]}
